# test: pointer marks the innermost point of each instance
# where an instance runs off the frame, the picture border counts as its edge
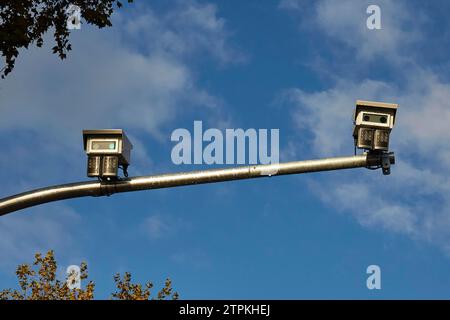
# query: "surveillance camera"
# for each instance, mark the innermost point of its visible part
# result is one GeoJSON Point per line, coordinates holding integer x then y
{"type": "Point", "coordinates": [373, 124]}
{"type": "Point", "coordinates": [107, 150]}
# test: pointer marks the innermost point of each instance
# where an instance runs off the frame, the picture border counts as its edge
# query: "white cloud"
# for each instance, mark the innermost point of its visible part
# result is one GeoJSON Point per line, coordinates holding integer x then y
{"type": "Point", "coordinates": [24, 234]}
{"type": "Point", "coordinates": [291, 4]}
{"type": "Point", "coordinates": [127, 76]}
{"type": "Point", "coordinates": [156, 227]}
{"type": "Point", "coordinates": [163, 226]}
{"type": "Point", "coordinates": [195, 258]}
{"type": "Point", "coordinates": [102, 84]}
{"type": "Point", "coordinates": [370, 208]}
{"type": "Point", "coordinates": [189, 29]}
{"type": "Point", "coordinates": [344, 21]}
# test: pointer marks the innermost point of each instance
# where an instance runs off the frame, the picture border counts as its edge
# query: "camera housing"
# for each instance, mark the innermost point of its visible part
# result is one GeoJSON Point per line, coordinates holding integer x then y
{"type": "Point", "coordinates": [107, 150]}
{"type": "Point", "coordinates": [373, 122]}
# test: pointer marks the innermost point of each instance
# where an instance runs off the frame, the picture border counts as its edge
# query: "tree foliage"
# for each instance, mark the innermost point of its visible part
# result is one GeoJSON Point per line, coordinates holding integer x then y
{"type": "Point", "coordinates": [24, 22]}
{"type": "Point", "coordinates": [39, 282]}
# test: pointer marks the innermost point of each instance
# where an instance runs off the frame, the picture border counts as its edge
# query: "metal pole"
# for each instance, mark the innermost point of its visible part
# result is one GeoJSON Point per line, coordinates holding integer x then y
{"type": "Point", "coordinates": [106, 188]}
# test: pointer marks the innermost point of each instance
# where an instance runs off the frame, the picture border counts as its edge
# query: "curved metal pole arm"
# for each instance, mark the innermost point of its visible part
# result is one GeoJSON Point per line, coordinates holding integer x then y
{"type": "Point", "coordinates": [104, 188]}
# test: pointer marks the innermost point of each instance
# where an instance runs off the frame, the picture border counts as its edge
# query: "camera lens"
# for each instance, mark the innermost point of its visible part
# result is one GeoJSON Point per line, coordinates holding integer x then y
{"type": "Point", "coordinates": [383, 119]}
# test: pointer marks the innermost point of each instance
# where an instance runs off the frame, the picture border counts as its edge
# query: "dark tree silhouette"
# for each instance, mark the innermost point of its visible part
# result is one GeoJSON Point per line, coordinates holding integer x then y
{"type": "Point", "coordinates": [24, 22]}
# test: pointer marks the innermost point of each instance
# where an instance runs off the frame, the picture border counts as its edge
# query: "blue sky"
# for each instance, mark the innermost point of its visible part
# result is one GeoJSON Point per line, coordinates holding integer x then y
{"type": "Point", "coordinates": [294, 65]}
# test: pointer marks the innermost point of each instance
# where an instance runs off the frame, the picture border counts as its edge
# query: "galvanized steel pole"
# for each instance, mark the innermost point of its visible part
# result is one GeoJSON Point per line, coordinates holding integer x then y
{"type": "Point", "coordinates": [106, 188]}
